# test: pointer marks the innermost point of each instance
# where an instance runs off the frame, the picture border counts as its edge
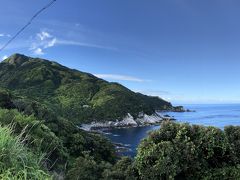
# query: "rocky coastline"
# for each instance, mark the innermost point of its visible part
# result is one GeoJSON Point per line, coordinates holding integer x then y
{"type": "Point", "coordinates": [128, 121]}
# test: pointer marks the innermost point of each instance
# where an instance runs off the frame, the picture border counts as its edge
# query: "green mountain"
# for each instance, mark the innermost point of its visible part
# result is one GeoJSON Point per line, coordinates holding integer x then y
{"type": "Point", "coordinates": [69, 93]}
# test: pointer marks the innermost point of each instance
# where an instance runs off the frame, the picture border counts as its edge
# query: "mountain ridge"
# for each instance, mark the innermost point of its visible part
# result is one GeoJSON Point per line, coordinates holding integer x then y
{"type": "Point", "coordinates": [73, 94]}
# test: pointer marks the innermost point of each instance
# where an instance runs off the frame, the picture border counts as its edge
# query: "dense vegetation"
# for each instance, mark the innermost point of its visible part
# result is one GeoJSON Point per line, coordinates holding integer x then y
{"type": "Point", "coordinates": [61, 149]}
{"type": "Point", "coordinates": [58, 138]}
{"type": "Point", "coordinates": [48, 100]}
{"type": "Point", "coordinates": [182, 151]}
{"type": "Point", "coordinates": [41, 102]}
{"type": "Point", "coordinates": [175, 151]}
{"type": "Point", "coordinates": [77, 96]}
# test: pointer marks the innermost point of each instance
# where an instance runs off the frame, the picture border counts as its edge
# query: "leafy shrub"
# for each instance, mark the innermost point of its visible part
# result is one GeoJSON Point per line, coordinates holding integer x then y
{"type": "Point", "coordinates": [87, 168]}
{"type": "Point", "coordinates": [226, 173]}
{"type": "Point", "coordinates": [5, 99]}
{"type": "Point", "coordinates": [98, 146]}
{"type": "Point", "coordinates": [184, 151]}
{"type": "Point", "coordinates": [122, 170]}
{"type": "Point", "coordinates": [233, 135]}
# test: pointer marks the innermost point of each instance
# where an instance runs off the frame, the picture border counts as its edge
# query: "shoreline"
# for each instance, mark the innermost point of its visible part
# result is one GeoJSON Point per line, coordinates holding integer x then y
{"type": "Point", "coordinates": [127, 122]}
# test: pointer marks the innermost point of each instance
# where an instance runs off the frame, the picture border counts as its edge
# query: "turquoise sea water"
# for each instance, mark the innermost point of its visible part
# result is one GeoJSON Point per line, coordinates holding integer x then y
{"type": "Point", "coordinates": [208, 115]}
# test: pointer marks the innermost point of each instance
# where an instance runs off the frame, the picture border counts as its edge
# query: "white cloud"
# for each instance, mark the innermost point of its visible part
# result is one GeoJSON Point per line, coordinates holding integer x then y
{"type": "Point", "coordinates": [4, 57]}
{"type": "Point", "coordinates": [43, 40]}
{"type": "Point", "coordinates": [43, 35]}
{"type": "Point", "coordinates": [4, 35]}
{"type": "Point", "coordinates": [120, 77]}
{"type": "Point", "coordinates": [38, 51]}
{"type": "Point", "coordinates": [50, 43]}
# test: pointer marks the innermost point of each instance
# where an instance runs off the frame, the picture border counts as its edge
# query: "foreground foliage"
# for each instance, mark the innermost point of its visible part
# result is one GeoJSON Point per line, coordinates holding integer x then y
{"type": "Point", "coordinates": [175, 151]}
{"type": "Point", "coordinates": [61, 148]}
{"type": "Point", "coordinates": [16, 160]}
{"type": "Point", "coordinates": [183, 151]}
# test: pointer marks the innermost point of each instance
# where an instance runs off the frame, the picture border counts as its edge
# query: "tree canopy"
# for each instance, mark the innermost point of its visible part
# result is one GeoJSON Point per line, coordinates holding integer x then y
{"type": "Point", "coordinates": [183, 151]}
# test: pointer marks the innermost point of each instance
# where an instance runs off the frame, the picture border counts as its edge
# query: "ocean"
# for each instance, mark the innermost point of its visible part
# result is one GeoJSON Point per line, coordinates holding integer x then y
{"type": "Point", "coordinates": [218, 115]}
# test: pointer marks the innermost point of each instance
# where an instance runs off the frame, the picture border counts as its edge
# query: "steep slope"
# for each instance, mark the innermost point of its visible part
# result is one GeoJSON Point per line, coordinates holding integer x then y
{"type": "Point", "coordinates": [74, 95]}
{"type": "Point", "coordinates": [44, 133]}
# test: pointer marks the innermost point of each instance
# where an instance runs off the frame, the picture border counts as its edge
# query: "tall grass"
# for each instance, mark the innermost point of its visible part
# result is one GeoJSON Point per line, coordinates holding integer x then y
{"type": "Point", "coordinates": [16, 161]}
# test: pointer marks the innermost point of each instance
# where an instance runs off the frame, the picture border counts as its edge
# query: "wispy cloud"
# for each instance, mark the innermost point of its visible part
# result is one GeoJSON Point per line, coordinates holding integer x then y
{"type": "Point", "coordinates": [38, 51]}
{"type": "Point", "coordinates": [78, 43]}
{"type": "Point", "coordinates": [164, 94]}
{"type": "Point", "coordinates": [58, 33]}
{"type": "Point", "coordinates": [50, 43]}
{"type": "Point", "coordinates": [118, 77]}
{"type": "Point", "coordinates": [4, 35]}
{"type": "Point", "coordinates": [155, 92]}
{"type": "Point", "coordinates": [43, 35]}
{"type": "Point", "coordinates": [42, 40]}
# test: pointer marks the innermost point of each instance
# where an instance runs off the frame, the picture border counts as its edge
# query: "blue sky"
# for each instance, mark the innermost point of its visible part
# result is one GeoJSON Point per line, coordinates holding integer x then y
{"type": "Point", "coordinates": [182, 50]}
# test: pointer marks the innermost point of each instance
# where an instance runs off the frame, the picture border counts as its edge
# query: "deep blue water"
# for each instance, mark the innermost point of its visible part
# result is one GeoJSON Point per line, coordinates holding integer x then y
{"type": "Point", "coordinates": [209, 115]}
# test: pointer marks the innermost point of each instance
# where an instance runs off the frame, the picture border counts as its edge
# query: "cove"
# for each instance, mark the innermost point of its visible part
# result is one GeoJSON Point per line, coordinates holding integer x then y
{"type": "Point", "coordinates": [218, 115]}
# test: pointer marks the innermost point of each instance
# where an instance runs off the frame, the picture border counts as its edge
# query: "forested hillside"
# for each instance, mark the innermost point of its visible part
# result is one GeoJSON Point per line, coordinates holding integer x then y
{"type": "Point", "coordinates": [68, 93]}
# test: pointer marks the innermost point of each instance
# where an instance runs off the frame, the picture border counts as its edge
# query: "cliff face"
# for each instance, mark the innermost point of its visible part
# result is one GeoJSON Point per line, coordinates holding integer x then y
{"type": "Point", "coordinates": [71, 94]}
